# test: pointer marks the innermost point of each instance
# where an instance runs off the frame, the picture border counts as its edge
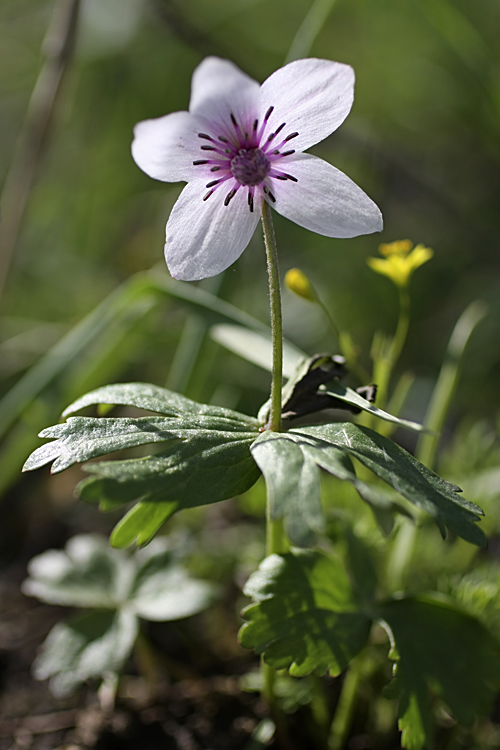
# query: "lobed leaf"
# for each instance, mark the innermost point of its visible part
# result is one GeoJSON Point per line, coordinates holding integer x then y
{"type": "Point", "coordinates": [200, 471]}
{"type": "Point", "coordinates": [89, 646]}
{"type": "Point", "coordinates": [154, 398]}
{"type": "Point", "coordinates": [82, 438]}
{"type": "Point", "coordinates": [305, 617]}
{"type": "Point", "coordinates": [349, 396]}
{"type": "Point", "coordinates": [403, 473]}
{"type": "Point", "coordinates": [86, 574]}
{"type": "Point", "coordinates": [438, 646]}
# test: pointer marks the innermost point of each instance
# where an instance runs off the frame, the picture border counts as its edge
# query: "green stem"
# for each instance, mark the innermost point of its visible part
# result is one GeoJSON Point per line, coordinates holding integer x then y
{"type": "Point", "coordinates": [274, 423]}
{"type": "Point", "coordinates": [341, 723]}
{"type": "Point", "coordinates": [274, 528]}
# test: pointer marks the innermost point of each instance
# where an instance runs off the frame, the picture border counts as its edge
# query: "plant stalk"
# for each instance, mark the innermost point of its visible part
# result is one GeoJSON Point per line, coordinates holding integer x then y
{"type": "Point", "coordinates": [274, 423]}
{"type": "Point", "coordinates": [274, 527]}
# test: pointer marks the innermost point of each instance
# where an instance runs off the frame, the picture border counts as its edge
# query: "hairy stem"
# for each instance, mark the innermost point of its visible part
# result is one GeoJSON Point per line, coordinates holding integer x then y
{"type": "Point", "coordinates": [274, 423]}
{"type": "Point", "coordinates": [274, 527]}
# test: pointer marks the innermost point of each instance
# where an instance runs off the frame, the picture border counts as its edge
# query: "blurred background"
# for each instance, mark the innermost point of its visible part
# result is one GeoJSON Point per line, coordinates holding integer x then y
{"type": "Point", "coordinates": [80, 220]}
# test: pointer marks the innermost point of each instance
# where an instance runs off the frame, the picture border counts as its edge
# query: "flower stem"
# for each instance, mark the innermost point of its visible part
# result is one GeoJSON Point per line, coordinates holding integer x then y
{"type": "Point", "coordinates": [275, 541]}
{"type": "Point", "coordinates": [341, 723]}
{"type": "Point", "coordinates": [274, 423]}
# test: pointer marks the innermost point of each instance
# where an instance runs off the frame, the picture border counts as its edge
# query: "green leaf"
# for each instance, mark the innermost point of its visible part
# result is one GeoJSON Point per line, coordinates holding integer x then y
{"type": "Point", "coordinates": [293, 486]}
{"type": "Point", "coordinates": [405, 474]}
{"type": "Point", "coordinates": [305, 617]}
{"type": "Point", "coordinates": [256, 347]}
{"type": "Point", "coordinates": [86, 574]}
{"type": "Point", "coordinates": [83, 438]}
{"type": "Point", "coordinates": [89, 573]}
{"type": "Point", "coordinates": [140, 524]}
{"type": "Point", "coordinates": [189, 473]}
{"type": "Point", "coordinates": [348, 396]}
{"type": "Point", "coordinates": [90, 646]}
{"type": "Point", "coordinates": [289, 462]}
{"type": "Point", "coordinates": [439, 647]}
{"type": "Point", "coordinates": [163, 590]}
{"type": "Point", "coordinates": [154, 398]}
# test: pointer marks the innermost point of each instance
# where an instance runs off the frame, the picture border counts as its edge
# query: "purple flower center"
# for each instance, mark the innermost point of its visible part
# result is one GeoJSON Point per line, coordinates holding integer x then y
{"type": "Point", "coordinates": [250, 166]}
{"type": "Point", "coordinates": [245, 156]}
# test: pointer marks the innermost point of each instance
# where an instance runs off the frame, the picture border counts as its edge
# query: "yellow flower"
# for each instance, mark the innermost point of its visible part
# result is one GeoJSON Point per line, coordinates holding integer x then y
{"type": "Point", "coordinates": [400, 260]}
{"type": "Point", "coordinates": [297, 282]}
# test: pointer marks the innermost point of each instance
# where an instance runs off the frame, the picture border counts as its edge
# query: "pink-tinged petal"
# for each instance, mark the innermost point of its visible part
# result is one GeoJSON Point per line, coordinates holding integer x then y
{"type": "Point", "coordinates": [203, 238]}
{"type": "Point", "coordinates": [312, 96]}
{"type": "Point", "coordinates": [219, 89]}
{"type": "Point", "coordinates": [166, 147]}
{"type": "Point", "coordinates": [324, 199]}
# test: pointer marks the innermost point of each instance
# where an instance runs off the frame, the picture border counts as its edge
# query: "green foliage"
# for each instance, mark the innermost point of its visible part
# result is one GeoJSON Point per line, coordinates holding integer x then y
{"type": "Point", "coordinates": [290, 461]}
{"type": "Point", "coordinates": [305, 617]}
{"type": "Point", "coordinates": [151, 584]}
{"type": "Point", "coordinates": [439, 647]}
{"type": "Point", "coordinates": [207, 457]}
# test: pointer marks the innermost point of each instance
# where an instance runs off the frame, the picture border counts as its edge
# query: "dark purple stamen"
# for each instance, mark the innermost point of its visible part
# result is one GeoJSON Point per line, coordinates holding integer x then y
{"type": "Point", "coordinates": [268, 192]}
{"type": "Point", "coordinates": [285, 153]}
{"type": "Point", "coordinates": [269, 113]}
{"type": "Point", "coordinates": [280, 177]}
{"type": "Point", "coordinates": [233, 120]}
{"type": "Point", "coordinates": [250, 201]}
{"type": "Point", "coordinates": [207, 148]}
{"type": "Point", "coordinates": [291, 177]}
{"type": "Point", "coordinates": [211, 184]}
{"type": "Point", "coordinates": [200, 161]}
{"type": "Point", "coordinates": [255, 123]}
{"type": "Point", "coordinates": [207, 196]}
{"type": "Point", "coordinates": [223, 139]}
{"type": "Point", "coordinates": [289, 137]}
{"type": "Point", "coordinates": [278, 130]}
{"type": "Point", "coordinates": [214, 169]}
{"type": "Point", "coordinates": [204, 135]}
{"type": "Point", "coordinates": [229, 196]}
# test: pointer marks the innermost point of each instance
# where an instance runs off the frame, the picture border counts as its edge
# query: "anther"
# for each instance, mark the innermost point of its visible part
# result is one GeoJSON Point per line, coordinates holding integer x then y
{"type": "Point", "coordinates": [269, 113]}
{"type": "Point", "coordinates": [233, 120]}
{"type": "Point", "coordinates": [214, 169]}
{"type": "Point", "coordinates": [278, 130]}
{"type": "Point", "coordinates": [200, 161]}
{"type": "Point", "coordinates": [280, 177]}
{"type": "Point", "coordinates": [223, 139]}
{"type": "Point", "coordinates": [228, 197]}
{"type": "Point", "coordinates": [285, 153]}
{"type": "Point", "coordinates": [289, 137]}
{"type": "Point", "coordinates": [268, 192]}
{"type": "Point", "coordinates": [204, 135]}
{"type": "Point", "coordinates": [276, 151]}
{"type": "Point", "coordinates": [211, 184]}
{"type": "Point", "coordinates": [291, 177]}
{"type": "Point", "coordinates": [250, 201]}
{"type": "Point", "coordinates": [255, 124]}
{"type": "Point", "coordinates": [207, 148]}
{"type": "Point", "coordinates": [207, 196]}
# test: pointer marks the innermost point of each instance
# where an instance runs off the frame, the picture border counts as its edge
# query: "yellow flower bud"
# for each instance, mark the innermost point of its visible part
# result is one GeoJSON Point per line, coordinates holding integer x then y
{"type": "Point", "coordinates": [297, 282]}
{"type": "Point", "coordinates": [400, 260]}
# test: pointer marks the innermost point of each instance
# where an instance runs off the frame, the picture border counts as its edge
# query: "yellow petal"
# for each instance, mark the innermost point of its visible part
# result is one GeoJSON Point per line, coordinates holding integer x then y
{"type": "Point", "coordinates": [399, 247]}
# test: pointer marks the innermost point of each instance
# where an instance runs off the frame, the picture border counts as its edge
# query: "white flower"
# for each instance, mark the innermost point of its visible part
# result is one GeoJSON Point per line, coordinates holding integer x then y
{"type": "Point", "coordinates": [241, 144]}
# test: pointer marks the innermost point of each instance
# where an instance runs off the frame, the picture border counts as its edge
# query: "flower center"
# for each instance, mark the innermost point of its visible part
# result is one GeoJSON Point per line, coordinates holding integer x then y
{"type": "Point", "coordinates": [250, 166]}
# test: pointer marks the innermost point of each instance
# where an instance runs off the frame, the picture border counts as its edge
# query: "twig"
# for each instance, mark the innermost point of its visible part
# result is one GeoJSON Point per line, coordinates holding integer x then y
{"type": "Point", "coordinates": [58, 49]}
